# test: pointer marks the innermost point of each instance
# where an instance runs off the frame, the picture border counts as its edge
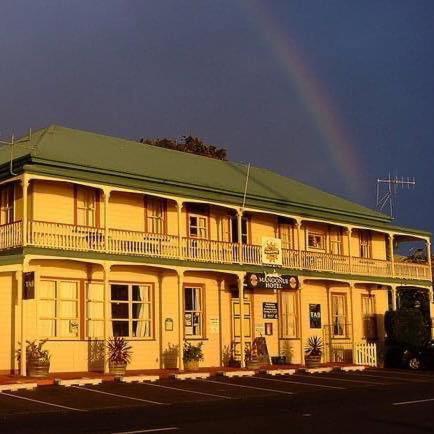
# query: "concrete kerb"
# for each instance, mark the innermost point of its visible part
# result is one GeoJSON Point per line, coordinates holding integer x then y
{"type": "Point", "coordinates": [17, 386]}
{"type": "Point", "coordinates": [78, 382]}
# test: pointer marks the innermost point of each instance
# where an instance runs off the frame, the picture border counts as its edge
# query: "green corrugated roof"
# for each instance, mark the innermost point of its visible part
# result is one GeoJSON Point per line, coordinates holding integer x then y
{"type": "Point", "coordinates": [58, 150]}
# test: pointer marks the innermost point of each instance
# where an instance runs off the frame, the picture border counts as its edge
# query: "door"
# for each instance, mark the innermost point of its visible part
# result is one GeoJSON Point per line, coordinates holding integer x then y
{"type": "Point", "coordinates": [247, 327]}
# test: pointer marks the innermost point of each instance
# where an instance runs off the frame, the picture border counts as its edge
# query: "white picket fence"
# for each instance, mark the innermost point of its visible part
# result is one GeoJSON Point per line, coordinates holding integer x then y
{"type": "Point", "coordinates": [365, 354]}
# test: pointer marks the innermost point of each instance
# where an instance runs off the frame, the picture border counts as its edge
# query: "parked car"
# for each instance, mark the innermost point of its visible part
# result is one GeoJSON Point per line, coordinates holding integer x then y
{"type": "Point", "coordinates": [410, 357]}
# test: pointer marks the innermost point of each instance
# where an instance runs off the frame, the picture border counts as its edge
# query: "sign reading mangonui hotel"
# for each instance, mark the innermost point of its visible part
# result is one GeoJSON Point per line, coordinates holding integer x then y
{"type": "Point", "coordinates": [270, 281]}
{"type": "Point", "coordinates": [271, 249]}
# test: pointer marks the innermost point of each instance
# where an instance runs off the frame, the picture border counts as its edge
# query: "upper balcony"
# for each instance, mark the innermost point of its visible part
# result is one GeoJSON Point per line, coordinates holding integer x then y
{"type": "Point", "coordinates": [127, 242]}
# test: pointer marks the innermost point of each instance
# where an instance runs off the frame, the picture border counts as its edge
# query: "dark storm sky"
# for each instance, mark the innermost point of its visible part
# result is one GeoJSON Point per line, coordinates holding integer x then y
{"type": "Point", "coordinates": [226, 71]}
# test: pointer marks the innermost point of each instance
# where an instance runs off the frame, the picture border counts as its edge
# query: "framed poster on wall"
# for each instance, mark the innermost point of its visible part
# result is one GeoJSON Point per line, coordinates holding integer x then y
{"type": "Point", "coordinates": [315, 316]}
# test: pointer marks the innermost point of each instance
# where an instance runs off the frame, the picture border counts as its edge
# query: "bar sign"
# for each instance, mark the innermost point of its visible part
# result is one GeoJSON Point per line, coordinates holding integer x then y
{"type": "Point", "coordinates": [29, 286]}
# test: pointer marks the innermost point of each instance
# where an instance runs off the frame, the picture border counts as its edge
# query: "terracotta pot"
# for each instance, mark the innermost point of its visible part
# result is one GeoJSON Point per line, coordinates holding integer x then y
{"type": "Point", "coordinates": [313, 361]}
{"type": "Point", "coordinates": [253, 364]}
{"type": "Point", "coordinates": [38, 368]}
{"type": "Point", "coordinates": [117, 369]}
{"type": "Point", "coordinates": [191, 365]}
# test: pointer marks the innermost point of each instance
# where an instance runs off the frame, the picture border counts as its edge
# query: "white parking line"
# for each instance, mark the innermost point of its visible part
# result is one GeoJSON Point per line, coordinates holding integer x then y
{"type": "Point", "coordinates": [172, 428]}
{"type": "Point", "coordinates": [413, 402]}
{"type": "Point", "coordinates": [300, 382]}
{"type": "Point", "coordinates": [348, 380]}
{"type": "Point", "coordinates": [407, 373]}
{"type": "Point", "coordinates": [250, 387]}
{"type": "Point", "coordinates": [399, 377]}
{"type": "Point", "coordinates": [185, 390]}
{"type": "Point", "coordinates": [119, 396]}
{"type": "Point", "coordinates": [42, 402]}
{"type": "Point", "coordinates": [385, 377]}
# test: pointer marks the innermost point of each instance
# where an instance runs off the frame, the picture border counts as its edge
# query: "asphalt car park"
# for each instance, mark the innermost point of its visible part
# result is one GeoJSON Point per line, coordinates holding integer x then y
{"type": "Point", "coordinates": [170, 392]}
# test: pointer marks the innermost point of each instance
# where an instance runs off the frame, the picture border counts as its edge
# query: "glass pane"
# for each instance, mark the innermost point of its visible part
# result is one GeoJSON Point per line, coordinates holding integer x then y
{"type": "Point", "coordinates": [188, 298]}
{"type": "Point", "coordinates": [95, 291]}
{"type": "Point", "coordinates": [47, 289]}
{"type": "Point", "coordinates": [120, 310]}
{"type": "Point", "coordinates": [120, 328]}
{"type": "Point", "coordinates": [141, 329]}
{"type": "Point", "coordinates": [140, 293]}
{"type": "Point", "coordinates": [95, 329]}
{"type": "Point", "coordinates": [67, 290]}
{"type": "Point", "coordinates": [46, 328]}
{"type": "Point", "coordinates": [141, 311]}
{"type": "Point", "coordinates": [67, 309]}
{"type": "Point", "coordinates": [95, 310]}
{"type": "Point", "coordinates": [67, 328]}
{"type": "Point", "coordinates": [47, 309]}
{"type": "Point", "coordinates": [119, 292]}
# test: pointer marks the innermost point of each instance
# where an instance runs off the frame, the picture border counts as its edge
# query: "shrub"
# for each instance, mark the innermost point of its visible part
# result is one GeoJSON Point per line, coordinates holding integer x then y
{"type": "Point", "coordinates": [192, 352]}
{"type": "Point", "coordinates": [314, 346]}
{"type": "Point", "coordinates": [34, 352]}
{"type": "Point", "coordinates": [119, 350]}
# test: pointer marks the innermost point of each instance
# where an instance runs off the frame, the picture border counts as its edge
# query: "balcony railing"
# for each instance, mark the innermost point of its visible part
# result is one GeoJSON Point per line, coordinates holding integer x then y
{"type": "Point", "coordinates": [125, 242]}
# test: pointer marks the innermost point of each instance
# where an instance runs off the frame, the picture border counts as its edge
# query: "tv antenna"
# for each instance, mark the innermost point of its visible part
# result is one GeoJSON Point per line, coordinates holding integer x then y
{"type": "Point", "coordinates": [387, 189]}
{"type": "Point", "coordinates": [11, 145]}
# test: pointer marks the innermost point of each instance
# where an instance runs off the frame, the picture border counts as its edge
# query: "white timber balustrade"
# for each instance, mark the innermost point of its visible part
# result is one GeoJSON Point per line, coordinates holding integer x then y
{"type": "Point", "coordinates": [11, 235]}
{"type": "Point", "coordinates": [142, 243]}
{"type": "Point", "coordinates": [290, 258]}
{"type": "Point", "coordinates": [371, 267]}
{"type": "Point", "coordinates": [64, 236]}
{"type": "Point", "coordinates": [252, 254]}
{"type": "Point", "coordinates": [318, 261]}
{"type": "Point", "coordinates": [198, 249]}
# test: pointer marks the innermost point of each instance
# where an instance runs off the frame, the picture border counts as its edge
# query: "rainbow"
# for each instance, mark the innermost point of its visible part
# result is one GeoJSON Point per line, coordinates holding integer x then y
{"type": "Point", "coordinates": [343, 154]}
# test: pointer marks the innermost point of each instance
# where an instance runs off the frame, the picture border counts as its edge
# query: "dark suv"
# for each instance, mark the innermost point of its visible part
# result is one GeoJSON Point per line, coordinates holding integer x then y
{"type": "Point", "coordinates": [411, 357]}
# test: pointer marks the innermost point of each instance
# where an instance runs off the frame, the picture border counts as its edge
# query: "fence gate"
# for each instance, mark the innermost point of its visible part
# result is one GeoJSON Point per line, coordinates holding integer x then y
{"type": "Point", "coordinates": [365, 354]}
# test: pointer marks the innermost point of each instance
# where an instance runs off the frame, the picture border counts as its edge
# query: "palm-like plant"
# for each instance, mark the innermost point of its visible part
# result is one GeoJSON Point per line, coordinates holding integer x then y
{"type": "Point", "coordinates": [119, 350]}
{"type": "Point", "coordinates": [314, 346]}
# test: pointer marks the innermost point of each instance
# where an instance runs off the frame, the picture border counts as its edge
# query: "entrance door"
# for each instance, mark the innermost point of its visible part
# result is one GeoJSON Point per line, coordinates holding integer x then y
{"type": "Point", "coordinates": [247, 327]}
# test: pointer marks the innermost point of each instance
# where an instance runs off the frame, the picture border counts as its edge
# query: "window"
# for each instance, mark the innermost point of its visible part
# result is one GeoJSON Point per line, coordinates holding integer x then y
{"type": "Point", "coordinates": [58, 309]}
{"type": "Point", "coordinates": [131, 310]}
{"type": "Point", "coordinates": [339, 318]}
{"type": "Point", "coordinates": [198, 226]}
{"type": "Point", "coordinates": [336, 242]}
{"type": "Point", "coordinates": [192, 312]}
{"type": "Point", "coordinates": [244, 230]}
{"type": "Point", "coordinates": [288, 314]}
{"type": "Point", "coordinates": [86, 206]}
{"type": "Point", "coordinates": [95, 309]}
{"type": "Point", "coordinates": [365, 244]}
{"type": "Point", "coordinates": [155, 215]}
{"type": "Point", "coordinates": [316, 240]}
{"type": "Point", "coordinates": [7, 204]}
{"type": "Point", "coordinates": [286, 234]}
{"type": "Point", "coordinates": [368, 317]}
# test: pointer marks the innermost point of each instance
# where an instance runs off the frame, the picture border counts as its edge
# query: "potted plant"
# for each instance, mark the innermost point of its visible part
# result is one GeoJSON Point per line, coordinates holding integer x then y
{"type": "Point", "coordinates": [37, 359]}
{"type": "Point", "coordinates": [251, 357]}
{"type": "Point", "coordinates": [313, 352]}
{"type": "Point", "coordinates": [119, 355]}
{"type": "Point", "coordinates": [192, 355]}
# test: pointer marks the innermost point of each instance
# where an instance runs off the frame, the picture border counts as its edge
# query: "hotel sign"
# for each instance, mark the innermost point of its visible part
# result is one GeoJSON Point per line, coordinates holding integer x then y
{"type": "Point", "coordinates": [271, 249]}
{"type": "Point", "coordinates": [270, 281]}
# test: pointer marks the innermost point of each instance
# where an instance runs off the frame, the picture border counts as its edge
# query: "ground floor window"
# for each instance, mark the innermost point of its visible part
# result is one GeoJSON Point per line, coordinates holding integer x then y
{"type": "Point", "coordinates": [193, 311]}
{"type": "Point", "coordinates": [58, 309]}
{"type": "Point", "coordinates": [95, 309]}
{"type": "Point", "coordinates": [288, 314]}
{"type": "Point", "coordinates": [131, 310]}
{"type": "Point", "coordinates": [339, 315]}
{"type": "Point", "coordinates": [368, 317]}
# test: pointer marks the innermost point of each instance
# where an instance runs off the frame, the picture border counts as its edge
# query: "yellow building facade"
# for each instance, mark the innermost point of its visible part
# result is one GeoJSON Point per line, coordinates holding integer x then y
{"type": "Point", "coordinates": [119, 238]}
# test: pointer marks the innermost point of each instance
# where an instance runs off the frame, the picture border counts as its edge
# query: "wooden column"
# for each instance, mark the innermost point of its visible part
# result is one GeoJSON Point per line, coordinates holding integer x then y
{"type": "Point", "coordinates": [106, 194]}
{"type": "Point", "coordinates": [350, 248]}
{"type": "Point", "coordinates": [298, 227]}
{"type": "Point", "coordinates": [107, 312]}
{"type": "Point", "coordinates": [180, 318]}
{"type": "Point", "coordinates": [392, 260]}
{"type": "Point", "coordinates": [25, 185]}
{"type": "Point", "coordinates": [23, 362]}
{"type": "Point", "coordinates": [179, 205]}
{"type": "Point", "coordinates": [393, 292]}
{"type": "Point", "coordinates": [241, 300]}
{"type": "Point", "coordinates": [240, 235]}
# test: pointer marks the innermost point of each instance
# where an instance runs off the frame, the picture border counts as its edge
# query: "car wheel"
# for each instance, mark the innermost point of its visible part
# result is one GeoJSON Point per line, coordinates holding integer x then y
{"type": "Point", "coordinates": [414, 363]}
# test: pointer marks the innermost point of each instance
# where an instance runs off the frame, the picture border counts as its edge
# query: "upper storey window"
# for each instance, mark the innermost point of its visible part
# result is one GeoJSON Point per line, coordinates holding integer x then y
{"type": "Point", "coordinates": [316, 240]}
{"type": "Point", "coordinates": [286, 234]}
{"type": "Point", "coordinates": [198, 216]}
{"type": "Point", "coordinates": [335, 236]}
{"type": "Point", "coordinates": [7, 195]}
{"type": "Point", "coordinates": [365, 244]}
{"type": "Point", "coordinates": [86, 206]}
{"type": "Point", "coordinates": [156, 211]}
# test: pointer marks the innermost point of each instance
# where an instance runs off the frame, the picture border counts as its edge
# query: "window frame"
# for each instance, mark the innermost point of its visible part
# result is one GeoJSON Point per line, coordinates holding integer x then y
{"type": "Point", "coordinates": [155, 215]}
{"type": "Point", "coordinates": [286, 232]}
{"type": "Point", "coordinates": [199, 218]}
{"type": "Point", "coordinates": [365, 244]}
{"type": "Point", "coordinates": [93, 210]}
{"type": "Point", "coordinates": [369, 317]}
{"type": "Point", "coordinates": [200, 312]}
{"type": "Point", "coordinates": [318, 234]}
{"type": "Point", "coordinates": [283, 321]}
{"type": "Point", "coordinates": [130, 303]}
{"type": "Point", "coordinates": [344, 324]}
{"type": "Point", "coordinates": [57, 302]}
{"type": "Point", "coordinates": [8, 195]}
